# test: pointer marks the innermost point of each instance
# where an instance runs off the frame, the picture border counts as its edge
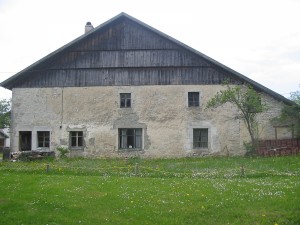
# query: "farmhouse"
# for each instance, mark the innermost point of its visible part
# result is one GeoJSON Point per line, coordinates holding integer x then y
{"type": "Point", "coordinates": [124, 88]}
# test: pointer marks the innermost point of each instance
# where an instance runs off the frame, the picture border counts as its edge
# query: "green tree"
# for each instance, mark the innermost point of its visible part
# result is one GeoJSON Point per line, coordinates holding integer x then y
{"type": "Point", "coordinates": [5, 107]}
{"type": "Point", "coordinates": [249, 104]}
{"type": "Point", "coordinates": [290, 114]}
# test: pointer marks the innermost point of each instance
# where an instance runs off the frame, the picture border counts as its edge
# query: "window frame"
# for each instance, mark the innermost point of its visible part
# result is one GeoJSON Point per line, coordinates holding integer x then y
{"type": "Point", "coordinates": [77, 135]}
{"type": "Point", "coordinates": [125, 100]}
{"type": "Point", "coordinates": [193, 99]}
{"type": "Point", "coordinates": [129, 141]}
{"type": "Point", "coordinates": [44, 135]}
{"type": "Point", "coordinates": [203, 137]}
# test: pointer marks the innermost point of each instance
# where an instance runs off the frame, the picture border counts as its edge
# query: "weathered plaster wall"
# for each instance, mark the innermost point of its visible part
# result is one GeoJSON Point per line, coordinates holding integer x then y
{"type": "Point", "coordinates": [161, 111]}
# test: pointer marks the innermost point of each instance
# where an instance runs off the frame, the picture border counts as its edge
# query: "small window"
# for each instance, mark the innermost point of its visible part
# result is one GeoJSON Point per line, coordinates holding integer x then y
{"type": "Point", "coordinates": [130, 138]}
{"type": "Point", "coordinates": [76, 139]}
{"type": "Point", "coordinates": [193, 99]}
{"type": "Point", "coordinates": [125, 100]}
{"type": "Point", "coordinates": [43, 139]}
{"type": "Point", "coordinates": [200, 138]}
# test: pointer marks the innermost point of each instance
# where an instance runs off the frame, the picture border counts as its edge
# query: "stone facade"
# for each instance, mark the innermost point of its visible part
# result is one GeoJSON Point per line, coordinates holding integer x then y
{"type": "Point", "coordinates": [160, 111]}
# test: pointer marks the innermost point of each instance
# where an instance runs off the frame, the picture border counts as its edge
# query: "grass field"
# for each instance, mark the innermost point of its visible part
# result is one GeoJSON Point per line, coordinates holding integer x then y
{"type": "Point", "coordinates": [166, 191]}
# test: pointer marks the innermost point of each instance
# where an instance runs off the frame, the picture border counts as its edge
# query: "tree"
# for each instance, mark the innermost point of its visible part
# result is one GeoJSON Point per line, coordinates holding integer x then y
{"type": "Point", "coordinates": [290, 114]}
{"type": "Point", "coordinates": [248, 102]}
{"type": "Point", "coordinates": [5, 107]}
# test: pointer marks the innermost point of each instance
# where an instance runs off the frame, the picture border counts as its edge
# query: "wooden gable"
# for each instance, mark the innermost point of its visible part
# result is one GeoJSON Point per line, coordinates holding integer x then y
{"type": "Point", "coordinates": [122, 52]}
{"type": "Point", "coordinates": [125, 51]}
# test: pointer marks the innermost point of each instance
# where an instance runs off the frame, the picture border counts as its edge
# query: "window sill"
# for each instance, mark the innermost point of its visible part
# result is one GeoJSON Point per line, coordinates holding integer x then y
{"type": "Point", "coordinates": [130, 149]}
{"type": "Point", "coordinates": [43, 149]}
{"type": "Point", "coordinates": [201, 149]}
{"type": "Point", "coordinates": [77, 149]}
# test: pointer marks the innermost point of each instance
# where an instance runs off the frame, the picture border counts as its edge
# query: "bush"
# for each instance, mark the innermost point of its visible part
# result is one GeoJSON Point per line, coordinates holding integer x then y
{"type": "Point", "coordinates": [62, 151]}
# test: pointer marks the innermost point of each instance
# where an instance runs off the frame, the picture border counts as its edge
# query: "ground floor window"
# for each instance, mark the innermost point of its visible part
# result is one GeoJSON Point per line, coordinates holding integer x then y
{"type": "Point", "coordinates": [130, 138]}
{"type": "Point", "coordinates": [200, 138]}
{"type": "Point", "coordinates": [76, 139]}
{"type": "Point", "coordinates": [43, 139]}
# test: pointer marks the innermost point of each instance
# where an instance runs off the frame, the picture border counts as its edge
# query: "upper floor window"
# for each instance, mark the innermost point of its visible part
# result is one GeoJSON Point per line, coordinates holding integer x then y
{"type": "Point", "coordinates": [125, 100]}
{"type": "Point", "coordinates": [193, 99]}
{"type": "Point", "coordinates": [43, 139]}
{"type": "Point", "coordinates": [76, 139]}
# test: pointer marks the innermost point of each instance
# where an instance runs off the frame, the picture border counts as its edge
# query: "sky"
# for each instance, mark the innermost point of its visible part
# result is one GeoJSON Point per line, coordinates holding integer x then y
{"type": "Point", "coordinates": [257, 38]}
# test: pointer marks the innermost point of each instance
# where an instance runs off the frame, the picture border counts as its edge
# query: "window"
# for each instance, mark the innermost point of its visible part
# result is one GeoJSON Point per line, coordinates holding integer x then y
{"type": "Point", "coordinates": [76, 139]}
{"type": "Point", "coordinates": [43, 139]}
{"type": "Point", "coordinates": [200, 138]}
{"type": "Point", "coordinates": [193, 99]}
{"type": "Point", "coordinates": [125, 100]}
{"type": "Point", "coordinates": [130, 138]}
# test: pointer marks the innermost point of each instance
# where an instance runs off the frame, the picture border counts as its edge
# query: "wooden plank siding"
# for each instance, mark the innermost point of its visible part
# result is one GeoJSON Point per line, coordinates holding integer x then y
{"type": "Point", "coordinates": [126, 58]}
{"type": "Point", "coordinates": [124, 34]}
{"type": "Point", "coordinates": [129, 76]}
{"type": "Point", "coordinates": [123, 53]}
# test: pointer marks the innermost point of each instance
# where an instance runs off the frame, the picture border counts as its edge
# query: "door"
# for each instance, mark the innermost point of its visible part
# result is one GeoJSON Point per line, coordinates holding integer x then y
{"type": "Point", "coordinates": [25, 140]}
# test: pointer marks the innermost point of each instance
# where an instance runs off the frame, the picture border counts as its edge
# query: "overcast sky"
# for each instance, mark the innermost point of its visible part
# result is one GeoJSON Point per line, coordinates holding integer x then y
{"type": "Point", "coordinates": [258, 38]}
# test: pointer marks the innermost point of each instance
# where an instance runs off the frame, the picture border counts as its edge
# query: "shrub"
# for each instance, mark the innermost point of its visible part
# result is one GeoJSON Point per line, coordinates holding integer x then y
{"type": "Point", "coordinates": [62, 151]}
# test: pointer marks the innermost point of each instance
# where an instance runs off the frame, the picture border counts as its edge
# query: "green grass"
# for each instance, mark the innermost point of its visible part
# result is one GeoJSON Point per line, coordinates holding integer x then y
{"type": "Point", "coordinates": [165, 191]}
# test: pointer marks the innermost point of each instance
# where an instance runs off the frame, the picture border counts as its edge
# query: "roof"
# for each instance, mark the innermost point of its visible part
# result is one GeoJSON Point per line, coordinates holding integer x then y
{"type": "Point", "coordinates": [9, 82]}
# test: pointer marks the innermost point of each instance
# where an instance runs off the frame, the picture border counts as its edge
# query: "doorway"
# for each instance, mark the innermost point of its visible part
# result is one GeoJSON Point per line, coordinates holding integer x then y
{"type": "Point", "coordinates": [25, 140]}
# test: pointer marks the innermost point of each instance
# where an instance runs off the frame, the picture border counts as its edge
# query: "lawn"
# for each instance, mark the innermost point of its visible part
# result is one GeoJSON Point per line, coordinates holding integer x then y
{"type": "Point", "coordinates": [166, 191]}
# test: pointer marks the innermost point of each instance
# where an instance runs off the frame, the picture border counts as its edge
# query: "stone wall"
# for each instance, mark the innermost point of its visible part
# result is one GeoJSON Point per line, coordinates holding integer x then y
{"type": "Point", "coordinates": [161, 112]}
